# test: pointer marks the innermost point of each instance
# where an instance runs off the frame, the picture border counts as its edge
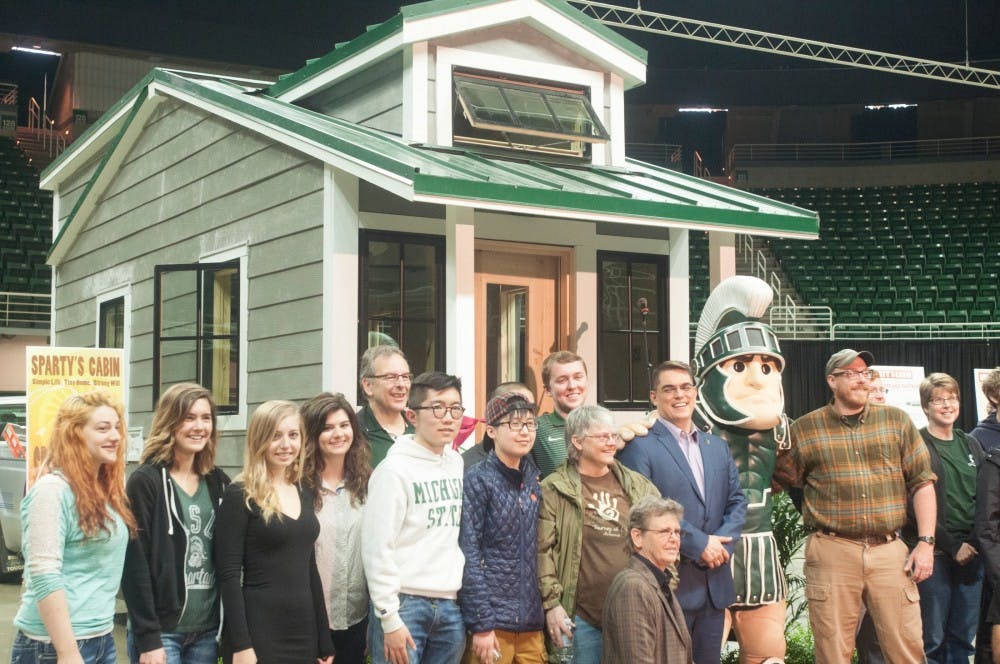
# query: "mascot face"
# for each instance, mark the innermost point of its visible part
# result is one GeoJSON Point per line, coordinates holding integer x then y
{"type": "Point", "coordinates": [746, 390]}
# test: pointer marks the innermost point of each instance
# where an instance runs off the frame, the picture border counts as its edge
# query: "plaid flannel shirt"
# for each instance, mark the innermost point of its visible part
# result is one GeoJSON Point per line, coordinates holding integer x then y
{"type": "Point", "coordinates": [855, 479]}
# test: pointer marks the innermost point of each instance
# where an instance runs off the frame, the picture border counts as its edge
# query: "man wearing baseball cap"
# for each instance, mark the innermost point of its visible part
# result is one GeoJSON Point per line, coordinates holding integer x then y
{"type": "Point", "coordinates": [858, 465]}
{"type": "Point", "coordinates": [500, 602]}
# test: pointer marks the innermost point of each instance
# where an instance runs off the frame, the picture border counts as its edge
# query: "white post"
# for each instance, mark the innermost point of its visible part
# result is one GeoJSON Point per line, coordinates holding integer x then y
{"type": "Point", "coordinates": [340, 283]}
{"type": "Point", "coordinates": [460, 307]}
{"type": "Point", "coordinates": [721, 257]}
{"type": "Point", "coordinates": [678, 284]}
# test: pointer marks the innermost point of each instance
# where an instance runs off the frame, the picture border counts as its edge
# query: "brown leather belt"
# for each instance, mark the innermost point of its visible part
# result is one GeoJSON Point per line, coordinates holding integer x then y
{"type": "Point", "coordinates": [869, 540]}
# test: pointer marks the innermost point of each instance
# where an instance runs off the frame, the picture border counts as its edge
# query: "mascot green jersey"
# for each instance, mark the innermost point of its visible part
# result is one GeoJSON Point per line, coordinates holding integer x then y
{"type": "Point", "coordinates": [738, 363]}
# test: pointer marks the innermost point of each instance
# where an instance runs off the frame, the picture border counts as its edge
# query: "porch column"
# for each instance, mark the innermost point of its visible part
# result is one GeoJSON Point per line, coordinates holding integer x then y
{"type": "Point", "coordinates": [721, 257]}
{"type": "Point", "coordinates": [678, 279]}
{"type": "Point", "coordinates": [340, 283]}
{"type": "Point", "coordinates": [460, 308]}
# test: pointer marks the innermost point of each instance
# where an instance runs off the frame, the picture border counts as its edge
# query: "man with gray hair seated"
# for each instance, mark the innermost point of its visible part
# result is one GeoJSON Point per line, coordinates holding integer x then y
{"type": "Point", "coordinates": [643, 621]}
{"type": "Point", "coordinates": [582, 531]}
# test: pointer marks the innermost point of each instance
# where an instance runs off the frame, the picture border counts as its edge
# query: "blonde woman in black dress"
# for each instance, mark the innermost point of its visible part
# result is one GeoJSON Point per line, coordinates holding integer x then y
{"type": "Point", "coordinates": [271, 593]}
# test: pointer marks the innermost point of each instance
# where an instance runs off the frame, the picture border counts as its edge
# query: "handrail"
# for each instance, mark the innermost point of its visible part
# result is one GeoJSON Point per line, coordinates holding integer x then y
{"type": "Point", "coordinates": [801, 322]}
{"type": "Point", "coordinates": [984, 147]}
{"type": "Point", "coordinates": [699, 169]}
{"type": "Point", "coordinates": [669, 155]}
{"type": "Point", "coordinates": [8, 94]}
{"type": "Point", "coordinates": [40, 124]}
{"type": "Point", "coordinates": [25, 310]}
{"type": "Point", "coordinates": [937, 331]}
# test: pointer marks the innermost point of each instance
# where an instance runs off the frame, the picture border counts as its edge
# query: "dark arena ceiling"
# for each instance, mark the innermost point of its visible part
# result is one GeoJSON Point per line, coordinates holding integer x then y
{"type": "Point", "coordinates": [282, 35]}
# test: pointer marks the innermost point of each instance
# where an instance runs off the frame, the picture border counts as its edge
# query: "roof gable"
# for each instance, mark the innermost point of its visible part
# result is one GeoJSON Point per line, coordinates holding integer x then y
{"type": "Point", "coordinates": [425, 21]}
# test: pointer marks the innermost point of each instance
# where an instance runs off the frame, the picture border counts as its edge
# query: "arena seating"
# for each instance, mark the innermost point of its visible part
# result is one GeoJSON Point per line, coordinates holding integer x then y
{"type": "Point", "coordinates": [25, 224]}
{"type": "Point", "coordinates": [898, 254]}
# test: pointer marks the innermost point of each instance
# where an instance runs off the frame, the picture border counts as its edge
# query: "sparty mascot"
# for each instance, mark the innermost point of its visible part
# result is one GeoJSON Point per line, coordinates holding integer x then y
{"type": "Point", "coordinates": [738, 364]}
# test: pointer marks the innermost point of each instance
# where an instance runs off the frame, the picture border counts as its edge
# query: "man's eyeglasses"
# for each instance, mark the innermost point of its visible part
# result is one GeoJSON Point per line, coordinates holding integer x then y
{"type": "Point", "coordinates": [670, 533]}
{"type": "Point", "coordinates": [851, 374]}
{"type": "Point", "coordinates": [941, 401]}
{"type": "Point", "coordinates": [406, 378]}
{"type": "Point", "coordinates": [604, 438]}
{"type": "Point", "coordinates": [671, 390]}
{"type": "Point", "coordinates": [439, 410]}
{"type": "Point", "coordinates": [530, 425]}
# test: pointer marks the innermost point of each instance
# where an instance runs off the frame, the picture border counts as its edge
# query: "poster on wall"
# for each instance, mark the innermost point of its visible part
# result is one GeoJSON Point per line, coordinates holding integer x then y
{"type": "Point", "coordinates": [53, 375]}
{"type": "Point", "coordinates": [902, 390]}
{"type": "Point", "coordinates": [982, 405]}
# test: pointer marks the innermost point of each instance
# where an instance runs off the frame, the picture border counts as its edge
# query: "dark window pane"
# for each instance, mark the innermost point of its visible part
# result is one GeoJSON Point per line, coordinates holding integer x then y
{"type": "Point", "coordinates": [645, 284]}
{"type": "Point", "coordinates": [614, 379]}
{"type": "Point", "coordinates": [383, 279]}
{"type": "Point", "coordinates": [112, 324]}
{"type": "Point", "coordinates": [614, 294]}
{"type": "Point", "coordinates": [178, 362]}
{"type": "Point", "coordinates": [419, 279]}
{"type": "Point", "coordinates": [179, 303]}
{"type": "Point", "coordinates": [418, 344]}
{"type": "Point", "coordinates": [383, 333]}
{"type": "Point", "coordinates": [640, 375]}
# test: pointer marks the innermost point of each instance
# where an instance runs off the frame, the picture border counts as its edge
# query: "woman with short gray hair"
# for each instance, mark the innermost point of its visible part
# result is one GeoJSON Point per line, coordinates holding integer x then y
{"type": "Point", "coordinates": [583, 530]}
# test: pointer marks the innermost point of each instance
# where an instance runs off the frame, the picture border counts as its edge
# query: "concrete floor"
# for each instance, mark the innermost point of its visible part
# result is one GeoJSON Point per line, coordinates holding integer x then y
{"type": "Point", "coordinates": [10, 599]}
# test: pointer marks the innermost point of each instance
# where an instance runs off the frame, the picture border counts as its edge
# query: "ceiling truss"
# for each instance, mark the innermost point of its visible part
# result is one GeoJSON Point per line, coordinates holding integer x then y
{"type": "Point", "coordinates": [766, 42]}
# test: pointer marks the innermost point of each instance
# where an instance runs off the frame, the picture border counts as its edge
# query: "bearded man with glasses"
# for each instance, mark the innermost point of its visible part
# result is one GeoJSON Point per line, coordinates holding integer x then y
{"type": "Point", "coordinates": [696, 469]}
{"type": "Point", "coordinates": [858, 465]}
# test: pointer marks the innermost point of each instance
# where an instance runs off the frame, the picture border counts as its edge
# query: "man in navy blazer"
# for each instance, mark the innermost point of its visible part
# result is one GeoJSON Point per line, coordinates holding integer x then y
{"type": "Point", "coordinates": [696, 469]}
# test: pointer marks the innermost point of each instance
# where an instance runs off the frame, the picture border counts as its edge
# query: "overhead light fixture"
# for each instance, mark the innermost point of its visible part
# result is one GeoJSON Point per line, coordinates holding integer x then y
{"type": "Point", "coordinates": [702, 109]}
{"type": "Point", "coordinates": [37, 50]}
{"type": "Point", "coordinates": [878, 107]}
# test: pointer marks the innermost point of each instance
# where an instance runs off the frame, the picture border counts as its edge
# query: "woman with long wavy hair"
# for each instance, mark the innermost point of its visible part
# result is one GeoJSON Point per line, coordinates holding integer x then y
{"type": "Point", "coordinates": [264, 557]}
{"type": "Point", "coordinates": [337, 468]}
{"type": "Point", "coordinates": [170, 582]}
{"type": "Point", "coordinates": [76, 523]}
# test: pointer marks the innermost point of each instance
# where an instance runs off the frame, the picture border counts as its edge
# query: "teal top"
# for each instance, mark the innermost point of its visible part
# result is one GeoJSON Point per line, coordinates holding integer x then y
{"type": "Point", "coordinates": [59, 556]}
{"type": "Point", "coordinates": [201, 608]}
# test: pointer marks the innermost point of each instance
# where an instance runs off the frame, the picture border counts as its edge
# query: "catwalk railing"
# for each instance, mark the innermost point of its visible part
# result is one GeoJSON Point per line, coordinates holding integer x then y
{"type": "Point", "coordinates": [984, 147]}
{"type": "Point", "coordinates": [803, 322]}
{"type": "Point", "coordinates": [25, 310]}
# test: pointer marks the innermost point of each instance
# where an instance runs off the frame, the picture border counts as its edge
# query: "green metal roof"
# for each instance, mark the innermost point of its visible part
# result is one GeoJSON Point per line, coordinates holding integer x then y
{"type": "Point", "coordinates": [637, 193]}
{"type": "Point", "coordinates": [381, 31]}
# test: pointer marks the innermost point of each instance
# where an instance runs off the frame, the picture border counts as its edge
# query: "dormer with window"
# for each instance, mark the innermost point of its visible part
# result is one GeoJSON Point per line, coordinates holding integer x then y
{"type": "Point", "coordinates": [534, 79]}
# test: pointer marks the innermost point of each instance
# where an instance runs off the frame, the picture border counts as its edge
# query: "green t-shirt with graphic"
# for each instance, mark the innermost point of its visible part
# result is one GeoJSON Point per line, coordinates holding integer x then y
{"type": "Point", "coordinates": [201, 610]}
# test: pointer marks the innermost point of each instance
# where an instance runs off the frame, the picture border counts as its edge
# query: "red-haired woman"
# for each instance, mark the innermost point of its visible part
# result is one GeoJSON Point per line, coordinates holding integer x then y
{"type": "Point", "coordinates": [337, 467]}
{"type": "Point", "coordinates": [76, 525]}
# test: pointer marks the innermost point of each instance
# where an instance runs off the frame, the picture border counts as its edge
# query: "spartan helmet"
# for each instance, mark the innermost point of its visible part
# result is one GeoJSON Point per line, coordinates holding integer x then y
{"type": "Point", "coordinates": [730, 329]}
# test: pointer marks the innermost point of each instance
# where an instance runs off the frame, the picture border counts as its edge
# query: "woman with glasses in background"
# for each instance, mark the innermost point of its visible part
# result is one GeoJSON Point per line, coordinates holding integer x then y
{"type": "Point", "coordinates": [336, 469]}
{"type": "Point", "coordinates": [583, 531]}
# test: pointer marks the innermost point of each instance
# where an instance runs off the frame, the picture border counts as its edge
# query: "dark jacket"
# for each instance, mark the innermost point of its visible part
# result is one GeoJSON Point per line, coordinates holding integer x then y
{"type": "Point", "coordinates": [942, 540]}
{"type": "Point", "coordinates": [499, 537]}
{"type": "Point", "coordinates": [988, 514]}
{"type": "Point", "coordinates": [987, 432]}
{"type": "Point", "coordinates": [153, 578]}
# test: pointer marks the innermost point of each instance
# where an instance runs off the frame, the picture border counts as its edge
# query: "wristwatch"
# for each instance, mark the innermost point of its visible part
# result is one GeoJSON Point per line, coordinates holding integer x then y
{"type": "Point", "coordinates": [927, 538]}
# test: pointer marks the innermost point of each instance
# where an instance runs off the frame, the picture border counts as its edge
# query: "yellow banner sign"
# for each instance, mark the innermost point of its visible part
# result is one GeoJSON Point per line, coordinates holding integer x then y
{"type": "Point", "coordinates": [54, 374]}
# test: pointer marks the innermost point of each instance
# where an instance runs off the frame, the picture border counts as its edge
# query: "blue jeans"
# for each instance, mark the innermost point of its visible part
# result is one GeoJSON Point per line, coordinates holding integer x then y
{"type": "Point", "coordinates": [588, 642]}
{"type": "Point", "coordinates": [181, 648]}
{"type": "Point", "coordinates": [435, 625]}
{"type": "Point", "coordinates": [949, 609]}
{"type": "Point", "coordinates": [97, 650]}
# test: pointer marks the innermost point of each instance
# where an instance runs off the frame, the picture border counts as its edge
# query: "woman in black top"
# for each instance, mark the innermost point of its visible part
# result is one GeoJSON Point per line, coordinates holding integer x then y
{"type": "Point", "coordinates": [169, 582]}
{"type": "Point", "coordinates": [265, 537]}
